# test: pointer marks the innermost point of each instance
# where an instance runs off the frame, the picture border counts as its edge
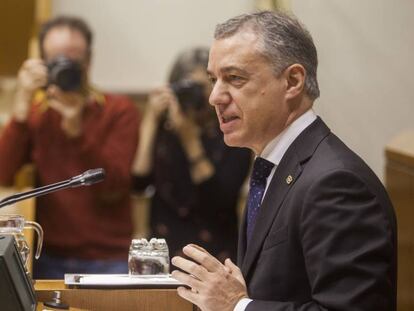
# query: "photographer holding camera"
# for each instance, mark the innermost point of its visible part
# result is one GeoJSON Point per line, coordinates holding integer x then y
{"type": "Point", "coordinates": [64, 127]}
{"type": "Point", "coordinates": [197, 178]}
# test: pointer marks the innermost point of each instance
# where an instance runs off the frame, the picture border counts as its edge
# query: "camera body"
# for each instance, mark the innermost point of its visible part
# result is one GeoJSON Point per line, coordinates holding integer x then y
{"type": "Point", "coordinates": [190, 94]}
{"type": "Point", "coordinates": [65, 73]}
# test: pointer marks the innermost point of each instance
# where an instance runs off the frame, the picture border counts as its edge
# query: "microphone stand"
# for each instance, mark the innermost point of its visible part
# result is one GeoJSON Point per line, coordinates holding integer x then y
{"type": "Point", "coordinates": [87, 178]}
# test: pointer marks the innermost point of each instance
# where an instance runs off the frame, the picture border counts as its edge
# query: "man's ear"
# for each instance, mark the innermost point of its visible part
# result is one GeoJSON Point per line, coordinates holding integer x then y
{"type": "Point", "coordinates": [295, 76]}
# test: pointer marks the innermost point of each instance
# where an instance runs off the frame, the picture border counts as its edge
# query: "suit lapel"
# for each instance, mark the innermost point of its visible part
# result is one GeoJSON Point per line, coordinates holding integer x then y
{"type": "Point", "coordinates": [241, 247]}
{"type": "Point", "coordinates": [269, 209]}
{"type": "Point", "coordinates": [291, 165]}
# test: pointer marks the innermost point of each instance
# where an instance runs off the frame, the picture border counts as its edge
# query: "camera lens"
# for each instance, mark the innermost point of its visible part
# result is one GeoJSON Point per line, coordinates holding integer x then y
{"type": "Point", "coordinates": [65, 73]}
{"type": "Point", "coordinates": [190, 94]}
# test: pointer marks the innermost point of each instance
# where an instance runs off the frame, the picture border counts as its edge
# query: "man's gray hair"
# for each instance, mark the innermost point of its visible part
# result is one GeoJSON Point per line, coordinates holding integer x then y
{"type": "Point", "coordinates": [285, 41]}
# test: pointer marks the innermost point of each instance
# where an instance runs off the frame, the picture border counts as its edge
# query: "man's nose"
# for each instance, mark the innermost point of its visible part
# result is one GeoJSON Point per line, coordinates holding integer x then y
{"type": "Point", "coordinates": [219, 95]}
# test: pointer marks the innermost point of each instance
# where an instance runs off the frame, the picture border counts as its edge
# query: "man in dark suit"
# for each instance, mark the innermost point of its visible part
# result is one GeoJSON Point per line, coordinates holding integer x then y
{"type": "Point", "coordinates": [319, 231]}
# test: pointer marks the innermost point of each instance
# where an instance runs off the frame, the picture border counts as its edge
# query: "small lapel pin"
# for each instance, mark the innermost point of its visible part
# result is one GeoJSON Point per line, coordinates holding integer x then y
{"type": "Point", "coordinates": [289, 179]}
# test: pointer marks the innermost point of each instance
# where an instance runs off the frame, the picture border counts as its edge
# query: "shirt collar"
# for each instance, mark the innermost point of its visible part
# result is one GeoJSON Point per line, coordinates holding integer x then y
{"type": "Point", "coordinates": [277, 147]}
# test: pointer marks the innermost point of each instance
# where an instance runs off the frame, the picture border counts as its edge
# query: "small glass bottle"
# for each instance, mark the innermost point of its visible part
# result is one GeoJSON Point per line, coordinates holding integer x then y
{"type": "Point", "coordinates": [136, 250]}
{"type": "Point", "coordinates": [148, 258]}
{"type": "Point", "coordinates": [160, 249]}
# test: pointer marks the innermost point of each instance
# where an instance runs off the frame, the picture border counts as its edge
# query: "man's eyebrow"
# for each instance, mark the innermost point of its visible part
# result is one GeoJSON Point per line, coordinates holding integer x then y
{"type": "Point", "coordinates": [230, 69]}
{"type": "Point", "coordinates": [233, 68]}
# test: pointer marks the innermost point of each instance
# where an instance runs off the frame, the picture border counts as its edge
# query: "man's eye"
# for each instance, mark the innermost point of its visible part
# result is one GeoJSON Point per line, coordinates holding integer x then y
{"type": "Point", "coordinates": [212, 80]}
{"type": "Point", "coordinates": [236, 80]}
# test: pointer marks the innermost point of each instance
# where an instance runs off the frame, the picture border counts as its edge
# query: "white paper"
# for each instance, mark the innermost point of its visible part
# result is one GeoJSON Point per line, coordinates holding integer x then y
{"type": "Point", "coordinates": [120, 280]}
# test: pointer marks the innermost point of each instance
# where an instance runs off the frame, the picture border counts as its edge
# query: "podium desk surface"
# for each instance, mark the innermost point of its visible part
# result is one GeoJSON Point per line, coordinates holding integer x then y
{"type": "Point", "coordinates": [111, 298]}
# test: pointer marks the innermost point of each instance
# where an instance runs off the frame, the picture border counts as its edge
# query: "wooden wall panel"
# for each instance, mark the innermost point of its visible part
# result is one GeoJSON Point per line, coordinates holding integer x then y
{"type": "Point", "coordinates": [400, 186]}
{"type": "Point", "coordinates": [16, 28]}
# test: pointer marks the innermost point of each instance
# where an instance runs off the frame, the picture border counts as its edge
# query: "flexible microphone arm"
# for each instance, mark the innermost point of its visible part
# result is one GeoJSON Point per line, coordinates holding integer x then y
{"type": "Point", "coordinates": [87, 178]}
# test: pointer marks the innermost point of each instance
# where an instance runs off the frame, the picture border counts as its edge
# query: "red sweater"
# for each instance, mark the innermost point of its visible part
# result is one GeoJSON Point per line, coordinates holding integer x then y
{"type": "Point", "coordinates": [88, 222]}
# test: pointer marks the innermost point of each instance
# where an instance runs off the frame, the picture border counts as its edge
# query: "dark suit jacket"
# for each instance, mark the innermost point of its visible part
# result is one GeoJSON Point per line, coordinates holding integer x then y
{"type": "Point", "coordinates": [327, 239]}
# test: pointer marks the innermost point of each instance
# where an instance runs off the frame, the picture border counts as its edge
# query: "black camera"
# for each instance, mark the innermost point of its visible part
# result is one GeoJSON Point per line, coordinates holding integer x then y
{"type": "Point", "coordinates": [65, 73]}
{"type": "Point", "coordinates": [190, 94]}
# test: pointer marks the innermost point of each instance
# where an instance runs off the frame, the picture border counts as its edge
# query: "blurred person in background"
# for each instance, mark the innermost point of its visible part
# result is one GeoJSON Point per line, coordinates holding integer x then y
{"type": "Point", "coordinates": [197, 178]}
{"type": "Point", "coordinates": [65, 127]}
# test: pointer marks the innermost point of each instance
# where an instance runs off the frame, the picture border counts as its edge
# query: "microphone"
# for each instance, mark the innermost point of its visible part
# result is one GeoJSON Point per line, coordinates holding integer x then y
{"type": "Point", "coordinates": [85, 179]}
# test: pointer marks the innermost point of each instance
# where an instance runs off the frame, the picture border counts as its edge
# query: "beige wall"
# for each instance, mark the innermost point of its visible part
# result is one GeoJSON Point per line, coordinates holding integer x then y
{"type": "Point", "coordinates": [366, 69]}
{"type": "Point", "coordinates": [365, 51]}
{"type": "Point", "coordinates": [137, 40]}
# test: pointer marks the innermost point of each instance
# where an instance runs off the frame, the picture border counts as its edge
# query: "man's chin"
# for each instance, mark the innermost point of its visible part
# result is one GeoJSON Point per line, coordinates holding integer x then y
{"type": "Point", "coordinates": [232, 141]}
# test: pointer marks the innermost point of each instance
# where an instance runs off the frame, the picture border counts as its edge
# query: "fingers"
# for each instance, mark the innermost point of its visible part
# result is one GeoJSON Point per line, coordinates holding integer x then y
{"type": "Point", "coordinates": [207, 263]}
{"type": "Point", "coordinates": [160, 96]}
{"type": "Point", "coordinates": [32, 75]}
{"type": "Point", "coordinates": [55, 92]}
{"type": "Point", "coordinates": [175, 114]}
{"type": "Point", "coordinates": [191, 267]}
{"type": "Point", "coordinates": [68, 105]}
{"type": "Point", "coordinates": [67, 98]}
{"type": "Point", "coordinates": [188, 294]}
{"type": "Point", "coordinates": [160, 99]}
{"type": "Point", "coordinates": [58, 106]}
{"type": "Point", "coordinates": [213, 285]}
{"type": "Point", "coordinates": [204, 258]}
{"type": "Point", "coordinates": [228, 263]}
{"type": "Point", "coordinates": [32, 62]}
{"type": "Point", "coordinates": [187, 279]}
{"type": "Point", "coordinates": [199, 248]}
{"type": "Point", "coordinates": [34, 67]}
{"type": "Point", "coordinates": [234, 270]}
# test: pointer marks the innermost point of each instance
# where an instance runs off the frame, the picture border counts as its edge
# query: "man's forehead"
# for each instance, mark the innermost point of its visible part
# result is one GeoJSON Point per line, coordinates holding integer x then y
{"type": "Point", "coordinates": [237, 40]}
{"type": "Point", "coordinates": [64, 33]}
{"type": "Point", "coordinates": [65, 40]}
{"type": "Point", "coordinates": [234, 52]}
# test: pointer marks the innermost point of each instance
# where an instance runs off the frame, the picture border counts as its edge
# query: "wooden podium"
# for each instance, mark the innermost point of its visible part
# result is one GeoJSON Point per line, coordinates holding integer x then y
{"type": "Point", "coordinates": [400, 185]}
{"type": "Point", "coordinates": [109, 299]}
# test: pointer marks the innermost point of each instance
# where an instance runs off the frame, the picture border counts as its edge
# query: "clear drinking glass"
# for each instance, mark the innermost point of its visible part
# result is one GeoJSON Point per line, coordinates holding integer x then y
{"type": "Point", "coordinates": [148, 258]}
{"type": "Point", "coordinates": [14, 225]}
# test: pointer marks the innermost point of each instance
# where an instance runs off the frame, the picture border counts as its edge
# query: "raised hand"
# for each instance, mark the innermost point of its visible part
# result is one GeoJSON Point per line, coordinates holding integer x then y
{"type": "Point", "coordinates": [70, 106]}
{"type": "Point", "coordinates": [159, 100]}
{"type": "Point", "coordinates": [213, 286]}
{"type": "Point", "coordinates": [32, 75]}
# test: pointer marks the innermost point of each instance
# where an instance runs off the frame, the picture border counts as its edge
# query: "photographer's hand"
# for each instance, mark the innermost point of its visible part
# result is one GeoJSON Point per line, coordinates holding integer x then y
{"type": "Point", "coordinates": [189, 132]}
{"type": "Point", "coordinates": [32, 75]}
{"type": "Point", "coordinates": [70, 105]}
{"type": "Point", "coordinates": [158, 102]}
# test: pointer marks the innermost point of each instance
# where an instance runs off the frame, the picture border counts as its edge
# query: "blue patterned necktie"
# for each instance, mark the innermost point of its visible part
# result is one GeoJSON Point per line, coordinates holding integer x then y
{"type": "Point", "coordinates": [261, 170]}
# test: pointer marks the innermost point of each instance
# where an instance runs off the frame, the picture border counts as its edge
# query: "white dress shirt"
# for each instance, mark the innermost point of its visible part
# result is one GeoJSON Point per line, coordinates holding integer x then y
{"type": "Point", "coordinates": [274, 152]}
